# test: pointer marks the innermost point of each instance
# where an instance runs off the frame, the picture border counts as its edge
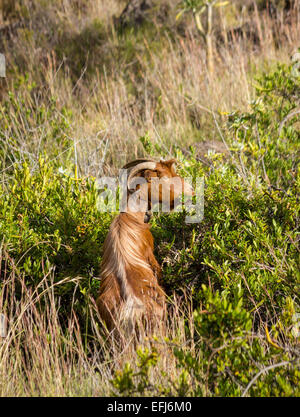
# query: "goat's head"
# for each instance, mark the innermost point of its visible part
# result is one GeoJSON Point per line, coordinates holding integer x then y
{"type": "Point", "coordinates": [161, 182]}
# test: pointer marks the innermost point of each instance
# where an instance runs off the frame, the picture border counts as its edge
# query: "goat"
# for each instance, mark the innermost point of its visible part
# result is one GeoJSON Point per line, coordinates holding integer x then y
{"type": "Point", "coordinates": [129, 291]}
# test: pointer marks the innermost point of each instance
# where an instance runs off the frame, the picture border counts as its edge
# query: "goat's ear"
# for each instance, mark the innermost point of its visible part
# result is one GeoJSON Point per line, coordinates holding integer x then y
{"type": "Point", "coordinates": [132, 164]}
{"type": "Point", "coordinates": [171, 165]}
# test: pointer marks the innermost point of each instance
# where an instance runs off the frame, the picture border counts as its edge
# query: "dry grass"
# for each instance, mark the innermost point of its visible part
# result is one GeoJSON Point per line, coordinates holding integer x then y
{"type": "Point", "coordinates": [128, 85]}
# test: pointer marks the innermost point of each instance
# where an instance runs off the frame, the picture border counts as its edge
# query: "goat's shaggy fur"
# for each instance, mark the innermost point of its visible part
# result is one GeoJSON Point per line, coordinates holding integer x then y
{"type": "Point", "coordinates": [129, 288]}
{"type": "Point", "coordinates": [130, 293]}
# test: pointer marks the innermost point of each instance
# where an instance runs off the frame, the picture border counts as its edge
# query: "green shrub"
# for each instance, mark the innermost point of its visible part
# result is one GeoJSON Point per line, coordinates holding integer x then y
{"type": "Point", "coordinates": [49, 221]}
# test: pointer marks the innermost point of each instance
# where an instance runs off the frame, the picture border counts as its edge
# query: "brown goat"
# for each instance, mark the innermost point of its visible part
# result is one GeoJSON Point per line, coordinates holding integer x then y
{"type": "Point", "coordinates": [130, 294]}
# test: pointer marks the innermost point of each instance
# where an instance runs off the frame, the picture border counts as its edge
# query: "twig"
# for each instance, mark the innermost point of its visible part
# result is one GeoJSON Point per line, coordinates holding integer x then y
{"type": "Point", "coordinates": [262, 157]}
{"type": "Point", "coordinates": [289, 116]}
{"type": "Point", "coordinates": [268, 368]}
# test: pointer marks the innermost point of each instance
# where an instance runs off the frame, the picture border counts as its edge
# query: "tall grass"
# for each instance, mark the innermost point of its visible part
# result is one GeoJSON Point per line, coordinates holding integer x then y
{"type": "Point", "coordinates": [120, 85]}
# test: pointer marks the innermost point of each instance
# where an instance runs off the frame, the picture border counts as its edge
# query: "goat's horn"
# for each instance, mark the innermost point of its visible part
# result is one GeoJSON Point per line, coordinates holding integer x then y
{"type": "Point", "coordinates": [138, 168]}
{"type": "Point", "coordinates": [136, 162]}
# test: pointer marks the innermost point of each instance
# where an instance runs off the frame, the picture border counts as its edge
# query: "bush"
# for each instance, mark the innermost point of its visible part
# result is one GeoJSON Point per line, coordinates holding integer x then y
{"type": "Point", "coordinates": [49, 221]}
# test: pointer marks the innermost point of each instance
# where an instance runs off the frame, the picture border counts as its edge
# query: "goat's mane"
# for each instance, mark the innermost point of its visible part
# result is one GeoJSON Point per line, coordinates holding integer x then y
{"type": "Point", "coordinates": [124, 249]}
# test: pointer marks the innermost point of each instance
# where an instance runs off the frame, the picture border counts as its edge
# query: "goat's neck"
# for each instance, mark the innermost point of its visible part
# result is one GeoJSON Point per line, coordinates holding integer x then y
{"type": "Point", "coordinates": [139, 216]}
{"type": "Point", "coordinates": [135, 211]}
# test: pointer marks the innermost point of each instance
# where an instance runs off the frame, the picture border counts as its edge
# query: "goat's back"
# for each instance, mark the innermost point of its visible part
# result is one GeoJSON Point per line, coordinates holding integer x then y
{"type": "Point", "coordinates": [129, 290]}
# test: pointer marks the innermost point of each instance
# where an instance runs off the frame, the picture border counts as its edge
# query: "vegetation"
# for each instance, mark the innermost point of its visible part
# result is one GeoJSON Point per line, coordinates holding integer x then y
{"type": "Point", "coordinates": [83, 95]}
